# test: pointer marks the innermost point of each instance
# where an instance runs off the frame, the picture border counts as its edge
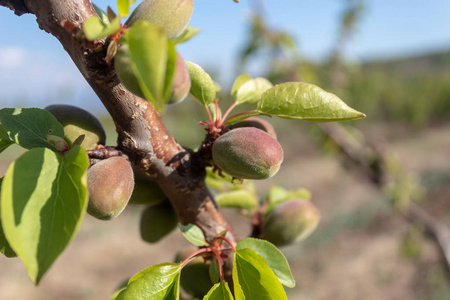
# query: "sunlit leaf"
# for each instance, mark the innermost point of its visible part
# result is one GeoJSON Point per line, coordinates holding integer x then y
{"type": "Point", "coordinates": [29, 127]}
{"type": "Point", "coordinates": [193, 234]}
{"type": "Point", "coordinates": [304, 101]}
{"type": "Point", "coordinates": [240, 80]}
{"type": "Point", "coordinates": [253, 278]}
{"type": "Point", "coordinates": [95, 29]}
{"type": "Point", "coordinates": [43, 200]}
{"type": "Point", "coordinates": [102, 14]}
{"type": "Point", "coordinates": [159, 282]}
{"type": "Point", "coordinates": [123, 6]}
{"type": "Point", "coordinates": [187, 34]}
{"type": "Point", "coordinates": [219, 291]}
{"type": "Point", "coordinates": [5, 248]}
{"type": "Point", "coordinates": [250, 92]}
{"type": "Point", "coordinates": [202, 86]}
{"type": "Point", "coordinates": [274, 258]}
{"type": "Point", "coordinates": [241, 199]}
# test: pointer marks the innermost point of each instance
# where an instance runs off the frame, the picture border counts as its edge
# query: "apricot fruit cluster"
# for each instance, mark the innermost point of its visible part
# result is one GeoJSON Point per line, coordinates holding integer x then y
{"type": "Point", "coordinates": [247, 153]}
{"type": "Point", "coordinates": [110, 184]}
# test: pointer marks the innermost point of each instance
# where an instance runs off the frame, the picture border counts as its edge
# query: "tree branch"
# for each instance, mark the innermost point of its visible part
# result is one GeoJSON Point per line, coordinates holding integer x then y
{"type": "Point", "coordinates": [141, 132]}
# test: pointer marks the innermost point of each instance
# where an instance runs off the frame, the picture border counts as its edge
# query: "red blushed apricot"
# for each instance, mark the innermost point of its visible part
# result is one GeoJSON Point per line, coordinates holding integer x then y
{"type": "Point", "coordinates": [248, 153]}
{"type": "Point", "coordinates": [110, 185]}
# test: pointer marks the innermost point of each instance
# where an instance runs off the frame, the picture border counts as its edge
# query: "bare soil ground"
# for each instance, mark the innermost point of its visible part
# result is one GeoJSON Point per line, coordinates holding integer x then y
{"type": "Point", "coordinates": [355, 253]}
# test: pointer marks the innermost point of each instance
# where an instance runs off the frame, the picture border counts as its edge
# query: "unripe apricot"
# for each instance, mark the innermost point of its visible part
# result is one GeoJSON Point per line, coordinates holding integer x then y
{"type": "Point", "coordinates": [172, 15]}
{"type": "Point", "coordinates": [248, 153]}
{"type": "Point", "coordinates": [291, 221]}
{"type": "Point", "coordinates": [181, 82]}
{"type": "Point", "coordinates": [157, 221]}
{"type": "Point", "coordinates": [76, 122]}
{"type": "Point", "coordinates": [255, 122]}
{"type": "Point", "coordinates": [110, 184]}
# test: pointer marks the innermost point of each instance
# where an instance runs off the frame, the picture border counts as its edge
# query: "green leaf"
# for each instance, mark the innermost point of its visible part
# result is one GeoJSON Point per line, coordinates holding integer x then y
{"type": "Point", "coordinates": [243, 116]}
{"type": "Point", "coordinates": [149, 48]}
{"type": "Point", "coordinates": [202, 86]}
{"type": "Point", "coordinates": [102, 14]}
{"type": "Point", "coordinates": [250, 92]}
{"type": "Point", "coordinates": [29, 127]}
{"type": "Point", "coordinates": [193, 234]}
{"type": "Point", "coordinates": [304, 101]}
{"type": "Point", "coordinates": [187, 34]}
{"type": "Point", "coordinates": [240, 80]}
{"type": "Point", "coordinates": [274, 258]}
{"type": "Point", "coordinates": [3, 133]}
{"type": "Point", "coordinates": [95, 29]}
{"type": "Point", "coordinates": [241, 199]}
{"type": "Point", "coordinates": [43, 200]}
{"type": "Point", "coordinates": [170, 70]}
{"type": "Point", "coordinates": [123, 6]}
{"type": "Point", "coordinates": [214, 272]}
{"type": "Point", "coordinates": [157, 282]}
{"type": "Point", "coordinates": [5, 248]}
{"type": "Point", "coordinates": [253, 278]}
{"type": "Point", "coordinates": [219, 291]}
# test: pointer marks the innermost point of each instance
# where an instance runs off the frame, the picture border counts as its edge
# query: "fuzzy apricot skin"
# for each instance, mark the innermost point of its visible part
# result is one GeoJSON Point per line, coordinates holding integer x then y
{"type": "Point", "coordinates": [248, 153]}
{"type": "Point", "coordinates": [290, 222]}
{"type": "Point", "coordinates": [255, 122]}
{"type": "Point", "coordinates": [171, 15]}
{"type": "Point", "coordinates": [110, 185]}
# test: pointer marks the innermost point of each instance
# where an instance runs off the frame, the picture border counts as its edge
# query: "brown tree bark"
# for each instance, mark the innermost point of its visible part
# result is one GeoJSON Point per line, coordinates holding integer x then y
{"type": "Point", "coordinates": [141, 132]}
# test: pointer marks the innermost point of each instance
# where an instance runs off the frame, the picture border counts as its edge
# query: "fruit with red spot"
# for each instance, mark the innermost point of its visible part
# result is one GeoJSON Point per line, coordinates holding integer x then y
{"type": "Point", "coordinates": [248, 153]}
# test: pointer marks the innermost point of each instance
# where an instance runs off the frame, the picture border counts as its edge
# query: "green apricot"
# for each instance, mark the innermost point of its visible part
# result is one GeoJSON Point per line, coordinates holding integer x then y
{"type": "Point", "coordinates": [146, 190]}
{"type": "Point", "coordinates": [181, 82]}
{"type": "Point", "coordinates": [157, 221]}
{"type": "Point", "coordinates": [255, 122]}
{"type": "Point", "coordinates": [248, 153]}
{"type": "Point", "coordinates": [76, 122]}
{"type": "Point", "coordinates": [172, 15]}
{"type": "Point", "coordinates": [291, 221]}
{"type": "Point", "coordinates": [122, 65]}
{"type": "Point", "coordinates": [195, 279]}
{"type": "Point", "coordinates": [110, 184]}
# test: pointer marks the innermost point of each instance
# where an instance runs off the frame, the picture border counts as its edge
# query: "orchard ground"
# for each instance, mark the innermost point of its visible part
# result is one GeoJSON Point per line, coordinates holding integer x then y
{"type": "Point", "coordinates": [355, 253]}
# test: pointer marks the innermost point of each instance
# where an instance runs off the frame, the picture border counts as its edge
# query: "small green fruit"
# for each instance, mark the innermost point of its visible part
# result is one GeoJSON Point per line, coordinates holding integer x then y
{"type": "Point", "coordinates": [172, 15]}
{"type": "Point", "coordinates": [76, 122]}
{"type": "Point", "coordinates": [157, 221]}
{"type": "Point", "coordinates": [110, 184]}
{"type": "Point", "coordinates": [181, 82]}
{"type": "Point", "coordinates": [291, 221]}
{"type": "Point", "coordinates": [255, 122]}
{"type": "Point", "coordinates": [195, 279]}
{"type": "Point", "coordinates": [248, 153]}
{"type": "Point", "coordinates": [146, 190]}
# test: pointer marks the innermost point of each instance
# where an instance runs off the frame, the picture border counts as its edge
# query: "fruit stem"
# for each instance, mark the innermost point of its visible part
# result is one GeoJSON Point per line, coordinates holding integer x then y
{"type": "Point", "coordinates": [232, 106]}
{"type": "Point", "coordinates": [226, 240]}
{"type": "Point", "coordinates": [239, 114]}
{"type": "Point", "coordinates": [188, 259]}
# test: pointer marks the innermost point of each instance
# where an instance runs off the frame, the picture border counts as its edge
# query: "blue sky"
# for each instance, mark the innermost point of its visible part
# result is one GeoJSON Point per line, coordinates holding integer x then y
{"type": "Point", "coordinates": [35, 70]}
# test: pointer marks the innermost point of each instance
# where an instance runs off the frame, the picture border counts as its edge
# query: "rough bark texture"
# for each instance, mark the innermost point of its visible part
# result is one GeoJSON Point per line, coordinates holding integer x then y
{"type": "Point", "coordinates": [142, 135]}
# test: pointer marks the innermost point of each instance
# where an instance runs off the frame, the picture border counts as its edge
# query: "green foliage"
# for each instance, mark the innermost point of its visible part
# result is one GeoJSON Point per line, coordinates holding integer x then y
{"type": "Point", "coordinates": [123, 6]}
{"type": "Point", "coordinates": [187, 34]}
{"type": "Point", "coordinates": [202, 86]}
{"type": "Point", "coordinates": [220, 291]}
{"type": "Point", "coordinates": [5, 248]}
{"type": "Point", "coordinates": [157, 282]}
{"type": "Point", "coordinates": [274, 258]}
{"type": "Point", "coordinates": [304, 101]}
{"type": "Point", "coordinates": [242, 199]}
{"type": "Point", "coordinates": [29, 127]}
{"type": "Point", "coordinates": [251, 90]}
{"type": "Point", "coordinates": [95, 28]}
{"type": "Point", "coordinates": [43, 200]}
{"type": "Point", "coordinates": [157, 221]}
{"type": "Point", "coordinates": [193, 234]}
{"type": "Point", "coordinates": [253, 278]}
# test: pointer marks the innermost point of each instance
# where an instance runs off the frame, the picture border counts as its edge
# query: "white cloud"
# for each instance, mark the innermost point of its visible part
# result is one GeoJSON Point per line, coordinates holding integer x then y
{"type": "Point", "coordinates": [12, 57]}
